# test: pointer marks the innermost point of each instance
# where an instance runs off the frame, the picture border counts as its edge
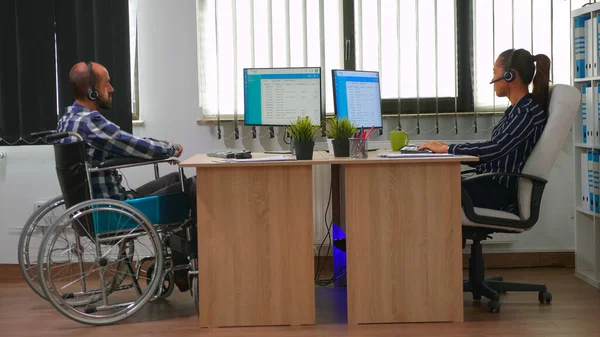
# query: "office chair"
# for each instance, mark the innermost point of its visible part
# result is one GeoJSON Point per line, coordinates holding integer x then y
{"type": "Point", "coordinates": [479, 223]}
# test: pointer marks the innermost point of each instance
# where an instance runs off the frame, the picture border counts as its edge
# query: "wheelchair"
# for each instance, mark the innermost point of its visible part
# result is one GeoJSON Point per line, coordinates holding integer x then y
{"type": "Point", "coordinates": [99, 261]}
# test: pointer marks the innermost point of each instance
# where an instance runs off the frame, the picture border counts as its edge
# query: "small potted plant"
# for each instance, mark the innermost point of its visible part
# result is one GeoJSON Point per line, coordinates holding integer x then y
{"type": "Point", "coordinates": [340, 131]}
{"type": "Point", "coordinates": [303, 134]}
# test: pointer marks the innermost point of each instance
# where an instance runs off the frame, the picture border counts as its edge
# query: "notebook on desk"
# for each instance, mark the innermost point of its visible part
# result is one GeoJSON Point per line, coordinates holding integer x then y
{"type": "Point", "coordinates": [414, 155]}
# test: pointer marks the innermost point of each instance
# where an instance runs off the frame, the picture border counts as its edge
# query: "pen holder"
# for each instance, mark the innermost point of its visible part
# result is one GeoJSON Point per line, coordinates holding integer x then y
{"type": "Point", "coordinates": [358, 148]}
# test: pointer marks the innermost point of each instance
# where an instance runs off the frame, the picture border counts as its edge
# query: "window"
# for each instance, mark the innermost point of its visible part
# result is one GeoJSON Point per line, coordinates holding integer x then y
{"type": "Point", "coordinates": [386, 40]}
{"type": "Point", "coordinates": [539, 26]}
{"type": "Point", "coordinates": [238, 34]}
{"type": "Point", "coordinates": [133, 51]}
{"type": "Point", "coordinates": [432, 55]}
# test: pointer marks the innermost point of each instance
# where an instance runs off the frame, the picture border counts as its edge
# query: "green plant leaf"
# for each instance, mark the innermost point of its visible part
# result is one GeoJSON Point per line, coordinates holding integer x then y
{"type": "Point", "coordinates": [302, 130]}
{"type": "Point", "coordinates": [340, 128]}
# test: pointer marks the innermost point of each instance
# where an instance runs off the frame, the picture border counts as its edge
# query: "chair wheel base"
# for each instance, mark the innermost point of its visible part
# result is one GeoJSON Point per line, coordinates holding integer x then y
{"type": "Point", "coordinates": [494, 306]}
{"type": "Point", "coordinates": [544, 297]}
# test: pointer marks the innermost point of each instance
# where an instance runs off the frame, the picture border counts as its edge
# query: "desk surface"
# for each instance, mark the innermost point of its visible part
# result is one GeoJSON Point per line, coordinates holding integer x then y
{"type": "Point", "coordinates": [203, 160]}
{"type": "Point", "coordinates": [319, 158]}
{"type": "Point", "coordinates": [416, 158]}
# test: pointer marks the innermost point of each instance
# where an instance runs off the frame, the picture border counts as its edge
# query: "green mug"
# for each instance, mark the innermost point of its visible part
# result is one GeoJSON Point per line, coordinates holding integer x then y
{"type": "Point", "coordinates": [398, 139]}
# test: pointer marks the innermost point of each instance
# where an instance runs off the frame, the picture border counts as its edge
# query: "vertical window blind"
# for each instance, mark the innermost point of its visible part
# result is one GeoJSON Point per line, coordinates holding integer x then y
{"type": "Point", "coordinates": [539, 26]}
{"type": "Point", "coordinates": [418, 46]}
{"type": "Point", "coordinates": [233, 35]}
{"type": "Point", "coordinates": [133, 58]}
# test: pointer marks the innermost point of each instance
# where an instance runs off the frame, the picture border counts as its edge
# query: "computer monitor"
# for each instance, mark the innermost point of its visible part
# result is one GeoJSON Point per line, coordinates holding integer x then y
{"type": "Point", "coordinates": [278, 96]}
{"type": "Point", "coordinates": [357, 95]}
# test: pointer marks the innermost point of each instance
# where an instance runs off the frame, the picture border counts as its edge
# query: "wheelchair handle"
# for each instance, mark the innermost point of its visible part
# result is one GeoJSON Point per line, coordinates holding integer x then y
{"type": "Point", "coordinates": [60, 135]}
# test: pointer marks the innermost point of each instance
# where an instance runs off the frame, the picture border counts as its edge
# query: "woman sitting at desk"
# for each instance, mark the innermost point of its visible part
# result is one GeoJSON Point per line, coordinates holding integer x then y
{"type": "Point", "coordinates": [515, 135]}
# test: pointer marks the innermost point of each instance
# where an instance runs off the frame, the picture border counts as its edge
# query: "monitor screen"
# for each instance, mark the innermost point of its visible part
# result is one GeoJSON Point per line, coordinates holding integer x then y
{"type": "Point", "coordinates": [278, 96]}
{"type": "Point", "coordinates": [356, 95]}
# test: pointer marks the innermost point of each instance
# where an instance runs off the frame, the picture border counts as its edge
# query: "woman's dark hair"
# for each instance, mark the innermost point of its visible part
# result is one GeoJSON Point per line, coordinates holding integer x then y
{"type": "Point", "coordinates": [523, 63]}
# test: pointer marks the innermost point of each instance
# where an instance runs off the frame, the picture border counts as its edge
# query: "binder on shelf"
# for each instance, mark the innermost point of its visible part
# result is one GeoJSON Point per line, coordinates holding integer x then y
{"type": "Point", "coordinates": [594, 46]}
{"type": "Point", "coordinates": [590, 180]}
{"type": "Point", "coordinates": [597, 49]}
{"type": "Point", "coordinates": [588, 47]}
{"type": "Point", "coordinates": [596, 116]}
{"type": "Point", "coordinates": [579, 47]}
{"type": "Point", "coordinates": [584, 113]}
{"type": "Point", "coordinates": [585, 190]}
{"type": "Point", "coordinates": [591, 94]}
{"type": "Point", "coordinates": [595, 155]}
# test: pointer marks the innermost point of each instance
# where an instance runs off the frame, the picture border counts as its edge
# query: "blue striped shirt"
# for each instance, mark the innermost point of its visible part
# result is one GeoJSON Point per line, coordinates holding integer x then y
{"type": "Point", "coordinates": [513, 139]}
{"type": "Point", "coordinates": [105, 140]}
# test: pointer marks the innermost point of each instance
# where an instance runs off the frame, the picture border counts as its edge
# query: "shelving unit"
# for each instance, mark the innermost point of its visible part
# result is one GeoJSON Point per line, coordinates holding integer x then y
{"type": "Point", "coordinates": [587, 222]}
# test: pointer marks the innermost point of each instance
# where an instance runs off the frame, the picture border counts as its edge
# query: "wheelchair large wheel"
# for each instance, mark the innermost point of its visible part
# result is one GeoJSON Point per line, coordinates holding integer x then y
{"type": "Point", "coordinates": [108, 258]}
{"type": "Point", "coordinates": [31, 237]}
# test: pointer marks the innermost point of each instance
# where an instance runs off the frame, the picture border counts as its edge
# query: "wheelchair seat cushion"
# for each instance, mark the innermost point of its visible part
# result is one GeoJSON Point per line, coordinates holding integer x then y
{"type": "Point", "coordinates": [159, 209]}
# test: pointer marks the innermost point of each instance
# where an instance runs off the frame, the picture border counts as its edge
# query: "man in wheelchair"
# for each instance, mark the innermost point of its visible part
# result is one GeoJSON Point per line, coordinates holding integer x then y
{"type": "Point", "coordinates": [104, 140]}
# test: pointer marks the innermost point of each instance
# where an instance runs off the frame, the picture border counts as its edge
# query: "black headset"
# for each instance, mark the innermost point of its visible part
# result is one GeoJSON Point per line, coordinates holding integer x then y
{"type": "Point", "coordinates": [509, 74]}
{"type": "Point", "coordinates": [92, 93]}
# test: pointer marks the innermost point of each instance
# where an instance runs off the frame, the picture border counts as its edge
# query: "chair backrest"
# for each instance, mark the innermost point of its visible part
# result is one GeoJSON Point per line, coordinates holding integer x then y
{"type": "Point", "coordinates": [563, 106]}
{"type": "Point", "coordinates": [72, 177]}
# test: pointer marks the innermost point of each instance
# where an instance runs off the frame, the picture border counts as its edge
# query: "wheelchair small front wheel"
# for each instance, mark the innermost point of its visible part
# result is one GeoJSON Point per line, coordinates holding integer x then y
{"type": "Point", "coordinates": [168, 284]}
{"type": "Point", "coordinates": [195, 293]}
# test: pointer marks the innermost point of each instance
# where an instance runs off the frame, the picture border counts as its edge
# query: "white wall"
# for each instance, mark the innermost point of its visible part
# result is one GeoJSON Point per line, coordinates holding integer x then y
{"type": "Point", "coordinates": [169, 107]}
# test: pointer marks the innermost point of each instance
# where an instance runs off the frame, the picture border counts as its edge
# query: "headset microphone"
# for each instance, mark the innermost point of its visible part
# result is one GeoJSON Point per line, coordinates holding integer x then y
{"type": "Point", "coordinates": [509, 74]}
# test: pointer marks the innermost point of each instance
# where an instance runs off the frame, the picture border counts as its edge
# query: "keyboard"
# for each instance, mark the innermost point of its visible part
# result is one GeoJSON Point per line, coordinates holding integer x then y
{"type": "Point", "coordinates": [231, 153]}
{"type": "Point", "coordinates": [414, 149]}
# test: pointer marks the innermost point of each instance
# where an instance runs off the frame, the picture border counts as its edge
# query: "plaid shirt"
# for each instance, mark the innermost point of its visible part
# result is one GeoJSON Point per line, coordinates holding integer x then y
{"type": "Point", "coordinates": [105, 140]}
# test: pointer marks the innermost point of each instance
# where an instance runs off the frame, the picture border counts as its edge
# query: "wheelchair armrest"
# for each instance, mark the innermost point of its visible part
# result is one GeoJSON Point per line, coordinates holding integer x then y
{"type": "Point", "coordinates": [536, 198]}
{"type": "Point", "coordinates": [59, 135]}
{"type": "Point", "coordinates": [122, 161]}
{"type": "Point", "coordinates": [41, 134]}
{"type": "Point", "coordinates": [126, 162]}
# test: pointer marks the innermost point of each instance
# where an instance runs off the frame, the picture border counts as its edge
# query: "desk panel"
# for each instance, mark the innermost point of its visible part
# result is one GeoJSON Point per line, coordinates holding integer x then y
{"type": "Point", "coordinates": [404, 250]}
{"type": "Point", "coordinates": [255, 245]}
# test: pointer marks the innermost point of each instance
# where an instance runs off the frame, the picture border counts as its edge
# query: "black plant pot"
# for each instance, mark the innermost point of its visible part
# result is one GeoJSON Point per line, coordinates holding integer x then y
{"type": "Point", "coordinates": [341, 148]}
{"type": "Point", "coordinates": [304, 150]}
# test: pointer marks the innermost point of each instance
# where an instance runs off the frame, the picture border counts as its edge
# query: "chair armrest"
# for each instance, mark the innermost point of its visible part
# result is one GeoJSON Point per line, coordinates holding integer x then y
{"type": "Point", "coordinates": [468, 171]}
{"type": "Point", "coordinates": [533, 179]}
{"type": "Point", "coordinates": [536, 199]}
{"type": "Point", "coordinates": [126, 162]}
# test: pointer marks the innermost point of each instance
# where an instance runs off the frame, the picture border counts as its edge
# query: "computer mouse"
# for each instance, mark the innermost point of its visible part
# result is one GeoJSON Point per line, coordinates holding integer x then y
{"type": "Point", "coordinates": [426, 150]}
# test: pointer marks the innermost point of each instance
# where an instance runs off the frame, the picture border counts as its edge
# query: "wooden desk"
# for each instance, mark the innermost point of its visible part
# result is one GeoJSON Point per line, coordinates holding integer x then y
{"type": "Point", "coordinates": [255, 241]}
{"type": "Point", "coordinates": [402, 220]}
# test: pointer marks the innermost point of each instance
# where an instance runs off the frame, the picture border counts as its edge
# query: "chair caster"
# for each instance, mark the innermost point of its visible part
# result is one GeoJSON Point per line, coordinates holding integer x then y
{"type": "Point", "coordinates": [494, 306]}
{"type": "Point", "coordinates": [544, 297]}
